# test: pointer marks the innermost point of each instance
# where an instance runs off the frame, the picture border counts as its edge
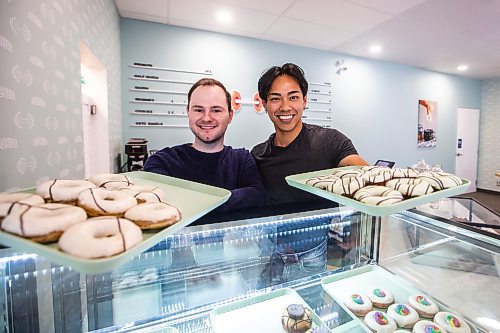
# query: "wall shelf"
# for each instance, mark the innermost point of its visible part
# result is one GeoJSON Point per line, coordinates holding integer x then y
{"type": "Point", "coordinates": [159, 80]}
{"type": "Point", "coordinates": [172, 126]}
{"type": "Point", "coordinates": [158, 114]}
{"type": "Point", "coordinates": [150, 66]}
{"type": "Point", "coordinates": [160, 91]}
{"type": "Point", "coordinates": [155, 102]}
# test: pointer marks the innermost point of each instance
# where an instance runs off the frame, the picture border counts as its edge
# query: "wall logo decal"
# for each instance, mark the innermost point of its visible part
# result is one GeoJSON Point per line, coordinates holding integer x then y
{"type": "Point", "coordinates": [21, 75]}
{"type": "Point", "coordinates": [51, 123]}
{"type": "Point", "coordinates": [60, 75]}
{"type": "Point", "coordinates": [26, 164]}
{"type": "Point", "coordinates": [48, 13]}
{"type": "Point", "coordinates": [53, 158]}
{"type": "Point", "coordinates": [50, 87]}
{"type": "Point", "coordinates": [58, 7]}
{"type": "Point", "coordinates": [64, 173]}
{"type": "Point", "coordinates": [38, 101]}
{"type": "Point", "coordinates": [7, 93]}
{"type": "Point", "coordinates": [61, 107]}
{"type": "Point", "coordinates": [62, 140]}
{"type": "Point", "coordinates": [17, 29]}
{"type": "Point", "coordinates": [8, 143]}
{"type": "Point", "coordinates": [59, 41]}
{"type": "Point", "coordinates": [49, 50]}
{"type": "Point", "coordinates": [40, 141]}
{"type": "Point", "coordinates": [37, 62]}
{"type": "Point", "coordinates": [24, 121]}
{"type": "Point", "coordinates": [6, 44]}
{"type": "Point", "coordinates": [36, 21]}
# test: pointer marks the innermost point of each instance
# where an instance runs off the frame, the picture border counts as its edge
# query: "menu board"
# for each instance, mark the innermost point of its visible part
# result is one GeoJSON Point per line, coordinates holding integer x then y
{"type": "Point", "coordinates": [319, 104]}
{"type": "Point", "coordinates": [159, 94]}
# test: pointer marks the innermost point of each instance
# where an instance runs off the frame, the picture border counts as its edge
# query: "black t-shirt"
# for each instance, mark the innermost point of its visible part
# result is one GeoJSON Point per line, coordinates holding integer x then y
{"type": "Point", "coordinates": [315, 148]}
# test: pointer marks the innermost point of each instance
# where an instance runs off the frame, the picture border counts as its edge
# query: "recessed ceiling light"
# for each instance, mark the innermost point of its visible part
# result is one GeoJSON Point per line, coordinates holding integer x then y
{"type": "Point", "coordinates": [462, 68]}
{"type": "Point", "coordinates": [224, 17]}
{"type": "Point", "coordinates": [375, 48]}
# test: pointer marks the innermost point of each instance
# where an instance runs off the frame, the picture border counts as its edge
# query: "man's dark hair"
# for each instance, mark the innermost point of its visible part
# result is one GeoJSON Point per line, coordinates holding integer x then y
{"type": "Point", "coordinates": [268, 77]}
{"type": "Point", "coordinates": [210, 82]}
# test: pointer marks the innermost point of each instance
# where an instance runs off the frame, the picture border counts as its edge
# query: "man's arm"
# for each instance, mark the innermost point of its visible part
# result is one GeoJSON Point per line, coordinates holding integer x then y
{"type": "Point", "coordinates": [157, 163]}
{"type": "Point", "coordinates": [352, 160]}
{"type": "Point", "coordinates": [250, 191]}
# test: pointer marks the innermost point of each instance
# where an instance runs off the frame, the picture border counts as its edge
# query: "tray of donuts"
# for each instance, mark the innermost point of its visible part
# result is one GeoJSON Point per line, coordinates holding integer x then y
{"type": "Point", "coordinates": [379, 191]}
{"type": "Point", "coordinates": [96, 225]}
{"type": "Point", "coordinates": [384, 302]}
{"type": "Point", "coordinates": [279, 311]}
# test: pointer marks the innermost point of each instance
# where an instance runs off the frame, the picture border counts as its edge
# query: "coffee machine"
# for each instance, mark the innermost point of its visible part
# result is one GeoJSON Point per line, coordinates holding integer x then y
{"type": "Point", "coordinates": [136, 150]}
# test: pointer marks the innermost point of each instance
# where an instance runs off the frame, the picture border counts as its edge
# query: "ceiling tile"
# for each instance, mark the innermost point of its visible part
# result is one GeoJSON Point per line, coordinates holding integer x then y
{"type": "Point", "coordinates": [154, 8]}
{"type": "Point", "coordinates": [274, 6]}
{"type": "Point", "coordinates": [306, 32]}
{"type": "Point", "coordinates": [144, 17]}
{"type": "Point", "coordinates": [209, 27]}
{"type": "Point", "coordinates": [336, 14]}
{"type": "Point", "coordinates": [388, 6]}
{"type": "Point", "coordinates": [203, 13]}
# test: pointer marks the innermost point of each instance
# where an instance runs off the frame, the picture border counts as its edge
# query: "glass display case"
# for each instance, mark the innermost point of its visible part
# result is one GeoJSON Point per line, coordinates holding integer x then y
{"type": "Point", "coordinates": [176, 285]}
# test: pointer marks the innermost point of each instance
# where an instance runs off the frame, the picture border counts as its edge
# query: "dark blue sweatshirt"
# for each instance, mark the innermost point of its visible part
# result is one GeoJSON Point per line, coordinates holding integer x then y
{"type": "Point", "coordinates": [232, 169]}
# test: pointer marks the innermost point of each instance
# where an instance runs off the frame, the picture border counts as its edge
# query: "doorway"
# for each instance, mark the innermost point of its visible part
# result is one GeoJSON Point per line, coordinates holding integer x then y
{"type": "Point", "coordinates": [94, 113]}
{"type": "Point", "coordinates": [467, 145]}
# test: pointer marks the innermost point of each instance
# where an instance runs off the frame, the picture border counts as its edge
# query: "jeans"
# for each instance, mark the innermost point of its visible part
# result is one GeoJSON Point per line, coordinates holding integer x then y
{"type": "Point", "coordinates": [285, 267]}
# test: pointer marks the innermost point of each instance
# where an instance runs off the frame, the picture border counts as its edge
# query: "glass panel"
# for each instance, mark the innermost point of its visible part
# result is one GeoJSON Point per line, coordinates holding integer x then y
{"type": "Point", "coordinates": [454, 271]}
{"type": "Point", "coordinates": [179, 280]}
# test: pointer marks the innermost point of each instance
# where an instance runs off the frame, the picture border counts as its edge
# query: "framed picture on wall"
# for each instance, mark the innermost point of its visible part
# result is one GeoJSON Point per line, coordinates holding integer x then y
{"type": "Point", "coordinates": [427, 117]}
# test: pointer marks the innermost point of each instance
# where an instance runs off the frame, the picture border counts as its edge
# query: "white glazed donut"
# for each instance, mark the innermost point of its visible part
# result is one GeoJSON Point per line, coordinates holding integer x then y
{"type": "Point", "coordinates": [378, 195]}
{"type": "Point", "coordinates": [153, 215]}
{"type": "Point", "coordinates": [348, 173]}
{"type": "Point", "coordinates": [404, 316]}
{"type": "Point", "coordinates": [380, 297]}
{"type": "Point", "coordinates": [379, 322]}
{"type": "Point", "coordinates": [349, 186]}
{"type": "Point", "coordinates": [403, 173]}
{"type": "Point", "coordinates": [7, 201]}
{"type": "Point", "coordinates": [359, 304]}
{"type": "Point", "coordinates": [111, 181]}
{"type": "Point", "coordinates": [425, 307]}
{"type": "Point", "coordinates": [410, 187]}
{"type": "Point", "coordinates": [99, 201]}
{"type": "Point", "coordinates": [427, 326]}
{"type": "Point", "coordinates": [440, 180]}
{"type": "Point", "coordinates": [376, 175]}
{"type": "Point", "coordinates": [62, 190]}
{"type": "Point", "coordinates": [451, 322]}
{"type": "Point", "coordinates": [145, 193]}
{"type": "Point", "coordinates": [43, 223]}
{"type": "Point", "coordinates": [100, 237]}
{"type": "Point", "coordinates": [323, 182]}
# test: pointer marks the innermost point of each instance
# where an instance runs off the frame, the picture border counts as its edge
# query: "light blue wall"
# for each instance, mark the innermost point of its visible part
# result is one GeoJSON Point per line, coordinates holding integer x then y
{"type": "Point", "coordinates": [375, 103]}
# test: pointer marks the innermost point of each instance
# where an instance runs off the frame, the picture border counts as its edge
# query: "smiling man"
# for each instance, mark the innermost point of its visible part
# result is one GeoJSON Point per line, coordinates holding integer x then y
{"type": "Point", "coordinates": [295, 147]}
{"type": "Point", "coordinates": [207, 160]}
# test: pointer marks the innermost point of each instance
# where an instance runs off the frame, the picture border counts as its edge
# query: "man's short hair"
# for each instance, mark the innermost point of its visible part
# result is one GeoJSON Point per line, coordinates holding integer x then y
{"type": "Point", "coordinates": [268, 77]}
{"type": "Point", "coordinates": [210, 82]}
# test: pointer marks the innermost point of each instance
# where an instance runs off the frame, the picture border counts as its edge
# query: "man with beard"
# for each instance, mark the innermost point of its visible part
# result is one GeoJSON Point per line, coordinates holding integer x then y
{"type": "Point", "coordinates": [207, 160]}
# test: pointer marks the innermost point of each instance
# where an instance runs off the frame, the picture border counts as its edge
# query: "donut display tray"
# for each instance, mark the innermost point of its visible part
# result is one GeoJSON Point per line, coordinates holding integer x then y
{"type": "Point", "coordinates": [193, 200]}
{"type": "Point", "coordinates": [299, 181]}
{"type": "Point", "coordinates": [358, 279]}
{"type": "Point", "coordinates": [261, 313]}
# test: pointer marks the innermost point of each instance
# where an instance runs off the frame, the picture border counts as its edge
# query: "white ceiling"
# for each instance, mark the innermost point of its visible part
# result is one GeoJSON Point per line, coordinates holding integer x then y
{"type": "Point", "coordinates": [437, 35]}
